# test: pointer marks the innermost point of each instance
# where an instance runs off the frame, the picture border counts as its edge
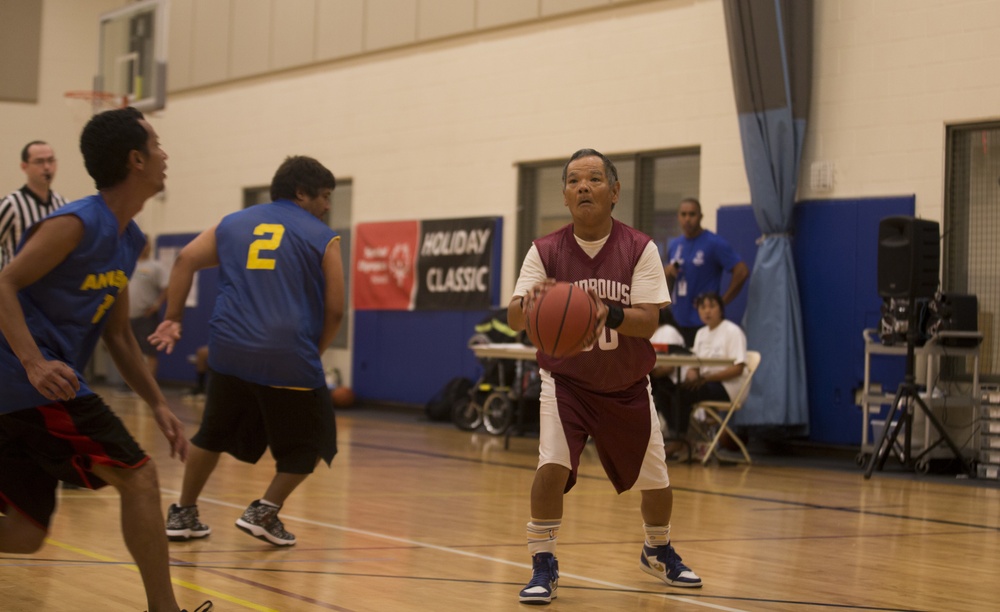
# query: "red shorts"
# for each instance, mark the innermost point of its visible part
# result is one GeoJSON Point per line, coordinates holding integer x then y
{"type": "Point", "coordinates": [60, 441]}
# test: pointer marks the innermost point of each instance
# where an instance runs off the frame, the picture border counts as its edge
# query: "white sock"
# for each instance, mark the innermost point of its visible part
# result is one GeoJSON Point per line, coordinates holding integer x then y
{"type": "Point", "coordinates": [264, 502]}
{"type": "Point", "coordinates": [542, 535]}
{"type": "Point", "coordinates": [657, 535]}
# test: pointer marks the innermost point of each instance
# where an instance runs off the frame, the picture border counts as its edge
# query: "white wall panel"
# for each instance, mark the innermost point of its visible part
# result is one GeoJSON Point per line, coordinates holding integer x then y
{"type": "Point", "coordinates": [339, 28]}
{"type": "Point", "coordinates": [180, 25]}
{"type": "Point", "coordinates": [390, 23]}
{"type": "Point", "coordinates": [445, 18]}
{"type": "Point", "coordinates": [293, 35]}
{"type": "Point", "coordinates": [250, 42]}
{"type": "Point", "coordinates": [210, 42]}
{"type": "Point", "coordinates": [493, 13]}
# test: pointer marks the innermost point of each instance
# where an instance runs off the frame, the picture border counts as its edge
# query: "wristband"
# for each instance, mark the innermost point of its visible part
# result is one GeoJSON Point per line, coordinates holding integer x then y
{"type": "Point", "coordinates": [615, 316]}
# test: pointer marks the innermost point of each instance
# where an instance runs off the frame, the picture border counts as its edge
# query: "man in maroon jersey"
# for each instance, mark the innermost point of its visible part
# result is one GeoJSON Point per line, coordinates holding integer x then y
{"type": "Point", "coordinates": [602, 393]}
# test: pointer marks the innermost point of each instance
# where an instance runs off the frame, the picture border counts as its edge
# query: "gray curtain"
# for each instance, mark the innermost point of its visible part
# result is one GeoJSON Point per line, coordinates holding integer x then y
{"type": "Point", "coordinates": [770, 51]}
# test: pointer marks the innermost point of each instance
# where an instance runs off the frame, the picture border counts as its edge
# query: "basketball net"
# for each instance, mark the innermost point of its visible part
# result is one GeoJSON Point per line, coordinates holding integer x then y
{"type": "Point", "coordinates": [99, 101]}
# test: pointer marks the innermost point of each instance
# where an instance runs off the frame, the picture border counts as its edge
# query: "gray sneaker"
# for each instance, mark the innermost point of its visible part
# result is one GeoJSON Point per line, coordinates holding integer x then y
{"type": "Point", "coordinates": [183, 524]}
{"type": "Point", "coordinates": [262, 522]}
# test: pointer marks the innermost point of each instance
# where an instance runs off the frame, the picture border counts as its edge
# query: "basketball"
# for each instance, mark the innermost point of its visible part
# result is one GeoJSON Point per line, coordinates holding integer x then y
{"type": "Point", "coordinates": [561, 320]}
{"type": "Point", "coordinates": [342, 397]}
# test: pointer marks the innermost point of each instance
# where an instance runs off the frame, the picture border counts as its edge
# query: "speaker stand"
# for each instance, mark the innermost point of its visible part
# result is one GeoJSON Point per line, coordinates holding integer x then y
{"type": "Point", "coordinates": [903, 410]}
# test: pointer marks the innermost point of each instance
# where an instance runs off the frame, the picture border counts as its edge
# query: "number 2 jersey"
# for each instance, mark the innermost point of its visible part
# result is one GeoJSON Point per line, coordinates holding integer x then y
{"type": "Point", "coordinates": [66, 310]}
{"type": "Point", "coordinates": [269, 314]}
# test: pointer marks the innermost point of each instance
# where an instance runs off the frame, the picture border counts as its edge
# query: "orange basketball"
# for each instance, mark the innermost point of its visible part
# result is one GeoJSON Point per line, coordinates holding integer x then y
{"type": "Point", "coordinates": [342, 397]}
{"type": "Point", "coordinates": [561, 320]}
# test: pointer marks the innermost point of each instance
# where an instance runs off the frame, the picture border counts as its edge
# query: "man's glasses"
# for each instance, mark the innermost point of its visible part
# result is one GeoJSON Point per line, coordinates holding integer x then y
{"type": "Point", "coordinates": [42, 162]}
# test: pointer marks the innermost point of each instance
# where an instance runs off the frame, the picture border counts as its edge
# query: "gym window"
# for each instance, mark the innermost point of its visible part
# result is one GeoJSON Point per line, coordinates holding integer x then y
{"type": "Point", "coordinates": [970, 250]}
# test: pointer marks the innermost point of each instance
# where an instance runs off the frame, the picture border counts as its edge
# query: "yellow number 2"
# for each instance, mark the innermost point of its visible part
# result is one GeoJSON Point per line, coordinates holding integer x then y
{"type": "Point", "coordinates": [276, 232]}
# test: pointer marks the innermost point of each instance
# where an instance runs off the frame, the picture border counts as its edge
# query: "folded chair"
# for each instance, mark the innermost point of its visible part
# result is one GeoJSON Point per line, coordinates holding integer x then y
{"type": "Point", "coordinates": [714, 411]}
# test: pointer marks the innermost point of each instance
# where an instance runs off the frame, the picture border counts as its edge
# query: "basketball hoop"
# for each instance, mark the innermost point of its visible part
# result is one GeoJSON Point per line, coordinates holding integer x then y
{"type": "Point", "coordinates": [99, 100]}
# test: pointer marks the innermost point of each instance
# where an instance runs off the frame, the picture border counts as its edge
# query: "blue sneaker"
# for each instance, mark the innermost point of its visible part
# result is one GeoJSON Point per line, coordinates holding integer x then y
{"type": "Point", "coordinates": [664, 563]}
{"type": "Point", "coordinates": [544, 580]}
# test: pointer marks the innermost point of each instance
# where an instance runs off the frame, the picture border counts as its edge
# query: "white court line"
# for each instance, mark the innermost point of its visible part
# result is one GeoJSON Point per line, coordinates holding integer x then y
{"type": "Point", "coordinates": [464, 553]}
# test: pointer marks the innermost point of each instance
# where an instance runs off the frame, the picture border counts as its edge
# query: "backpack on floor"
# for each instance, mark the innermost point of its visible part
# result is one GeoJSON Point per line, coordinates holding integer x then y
{"type": "Point", "coordinates": [439, 407]}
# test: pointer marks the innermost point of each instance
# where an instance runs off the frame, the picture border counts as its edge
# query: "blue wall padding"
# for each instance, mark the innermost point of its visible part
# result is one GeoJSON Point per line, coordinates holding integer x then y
{"type": "Point", "coordinates": [835, 246]}
{"type": "Point", "coordinates": [176, 367]}
{"type": "Point", "coordinates": [743, 239]}
{"type": "Point", "coordinates": [407, 356]}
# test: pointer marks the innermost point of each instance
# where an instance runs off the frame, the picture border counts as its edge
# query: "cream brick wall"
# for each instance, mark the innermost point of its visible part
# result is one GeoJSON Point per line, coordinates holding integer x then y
{"type": "Point", "coordinates": [435, 130]}
{"type": "Point", "coordinates": [68, 61]}
{"type": "Point", "coordinates": [889, 76]}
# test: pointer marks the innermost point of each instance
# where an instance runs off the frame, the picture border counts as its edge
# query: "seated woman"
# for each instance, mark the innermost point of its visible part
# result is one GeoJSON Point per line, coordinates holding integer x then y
{"type": "Point", "coordinates": [719, 338]}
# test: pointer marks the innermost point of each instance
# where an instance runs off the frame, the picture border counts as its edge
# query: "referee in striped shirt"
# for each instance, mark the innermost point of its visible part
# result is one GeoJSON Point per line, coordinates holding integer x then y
{"type": "Point", "coordinates": [20, 209]}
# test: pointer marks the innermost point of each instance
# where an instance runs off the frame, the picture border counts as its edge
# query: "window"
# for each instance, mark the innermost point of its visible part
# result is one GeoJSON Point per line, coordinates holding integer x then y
{"type": "Point", "coordinates": [653, 184]}
{"type": "Point", "coordinates": [339, 219]}
{"type": "Point", "coordinates": [970, 249]}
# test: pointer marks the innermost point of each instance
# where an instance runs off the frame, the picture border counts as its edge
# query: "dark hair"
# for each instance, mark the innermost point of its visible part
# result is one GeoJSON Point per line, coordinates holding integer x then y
{"type": "Point", "coordinates": [106, 142]}
{"type": "Point", "coordinates": [300, 173]}
{"type": "Point", "coordinates": [609, 166]}
{"type": "Point", "coordinates": [24, 151]}
{"type": "Point", "coordinates": [710, 296]}
{"type": "Point", "coordinates": [667, 317]}
{"type": "Point", "coordinates": [692, 201]}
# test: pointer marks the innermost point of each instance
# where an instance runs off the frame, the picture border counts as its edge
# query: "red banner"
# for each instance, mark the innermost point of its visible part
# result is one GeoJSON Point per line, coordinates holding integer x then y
{"type": "Point", "coordinates": [384, 257]}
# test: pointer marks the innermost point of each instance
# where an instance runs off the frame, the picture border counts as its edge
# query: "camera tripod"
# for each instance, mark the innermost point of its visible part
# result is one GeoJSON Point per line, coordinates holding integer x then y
{"type": "Point", "coordinates": [902, 409]}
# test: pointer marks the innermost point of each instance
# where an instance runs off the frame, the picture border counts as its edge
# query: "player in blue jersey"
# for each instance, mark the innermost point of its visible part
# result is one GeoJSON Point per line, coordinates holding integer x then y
{"type": "Point", "coordinates": [603, 393]}
{"type": "Point", "coordinates": [66, 287]}
{"type": "Point", "coordinates": [280, 304]}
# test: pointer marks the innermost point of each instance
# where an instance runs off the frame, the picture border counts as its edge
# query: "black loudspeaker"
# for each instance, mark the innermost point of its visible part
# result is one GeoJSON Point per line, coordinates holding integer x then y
{"type": "Point", "coordinates": [909, 255]}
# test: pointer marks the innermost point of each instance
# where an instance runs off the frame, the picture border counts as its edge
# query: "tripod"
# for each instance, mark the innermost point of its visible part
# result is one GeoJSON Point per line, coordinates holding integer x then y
{"type": "Point", "coordinates": [903, 408]}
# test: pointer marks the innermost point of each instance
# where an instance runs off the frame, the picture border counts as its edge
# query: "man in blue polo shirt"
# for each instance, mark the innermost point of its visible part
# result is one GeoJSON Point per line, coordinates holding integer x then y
{"type": "Point", "coordinates": [695, 263]}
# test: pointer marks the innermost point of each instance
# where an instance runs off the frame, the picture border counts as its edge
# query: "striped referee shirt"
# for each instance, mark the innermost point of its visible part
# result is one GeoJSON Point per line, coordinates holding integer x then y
{"type": "Point", "coordinates": [19, 210]}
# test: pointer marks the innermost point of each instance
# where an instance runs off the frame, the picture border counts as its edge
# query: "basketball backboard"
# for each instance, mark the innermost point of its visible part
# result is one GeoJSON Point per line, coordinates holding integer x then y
{"type": "Point", "coordinates": [132, 60]}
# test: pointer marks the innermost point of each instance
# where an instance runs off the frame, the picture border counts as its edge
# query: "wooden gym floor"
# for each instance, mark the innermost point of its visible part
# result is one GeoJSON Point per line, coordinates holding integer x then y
{"type": "Point", "coordinates": [421, 516]}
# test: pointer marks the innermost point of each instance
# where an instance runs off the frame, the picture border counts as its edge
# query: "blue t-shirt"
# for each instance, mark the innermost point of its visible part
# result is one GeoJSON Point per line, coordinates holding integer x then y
{"type": "Point", "coordinates": [269, 315]}
{"type": "Point", "coordinates": [67, 309]}
{"type": "Point", "coordinates": [702, 260]}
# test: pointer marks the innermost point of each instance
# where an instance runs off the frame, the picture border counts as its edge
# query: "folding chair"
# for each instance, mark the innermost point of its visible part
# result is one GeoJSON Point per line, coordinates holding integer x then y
{"type": "Point", "coordinates": [713, 410]}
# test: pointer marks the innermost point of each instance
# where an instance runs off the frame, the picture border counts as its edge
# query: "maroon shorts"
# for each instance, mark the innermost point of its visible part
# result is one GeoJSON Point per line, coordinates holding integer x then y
{"type": "Point", "coordinates": [60, 441]}
{"type": "Point", "coordinates": [620, 424]}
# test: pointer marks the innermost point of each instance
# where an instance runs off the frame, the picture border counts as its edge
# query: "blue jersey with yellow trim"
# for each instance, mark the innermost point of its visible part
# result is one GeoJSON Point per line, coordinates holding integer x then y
{"type": "Point", "coordinates": [67, 309]}
{"type": "Point", "coordinates": [269, 314]}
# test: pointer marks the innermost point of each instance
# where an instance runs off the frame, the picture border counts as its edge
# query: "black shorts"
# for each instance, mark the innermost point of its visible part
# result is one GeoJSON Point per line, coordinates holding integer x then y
{"type": "Point", "coordinates": [60, 441]}
{"type": "Point", "coordinates": [244, 419]}
{"type": "Point", "coordinates": [142, 327]}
